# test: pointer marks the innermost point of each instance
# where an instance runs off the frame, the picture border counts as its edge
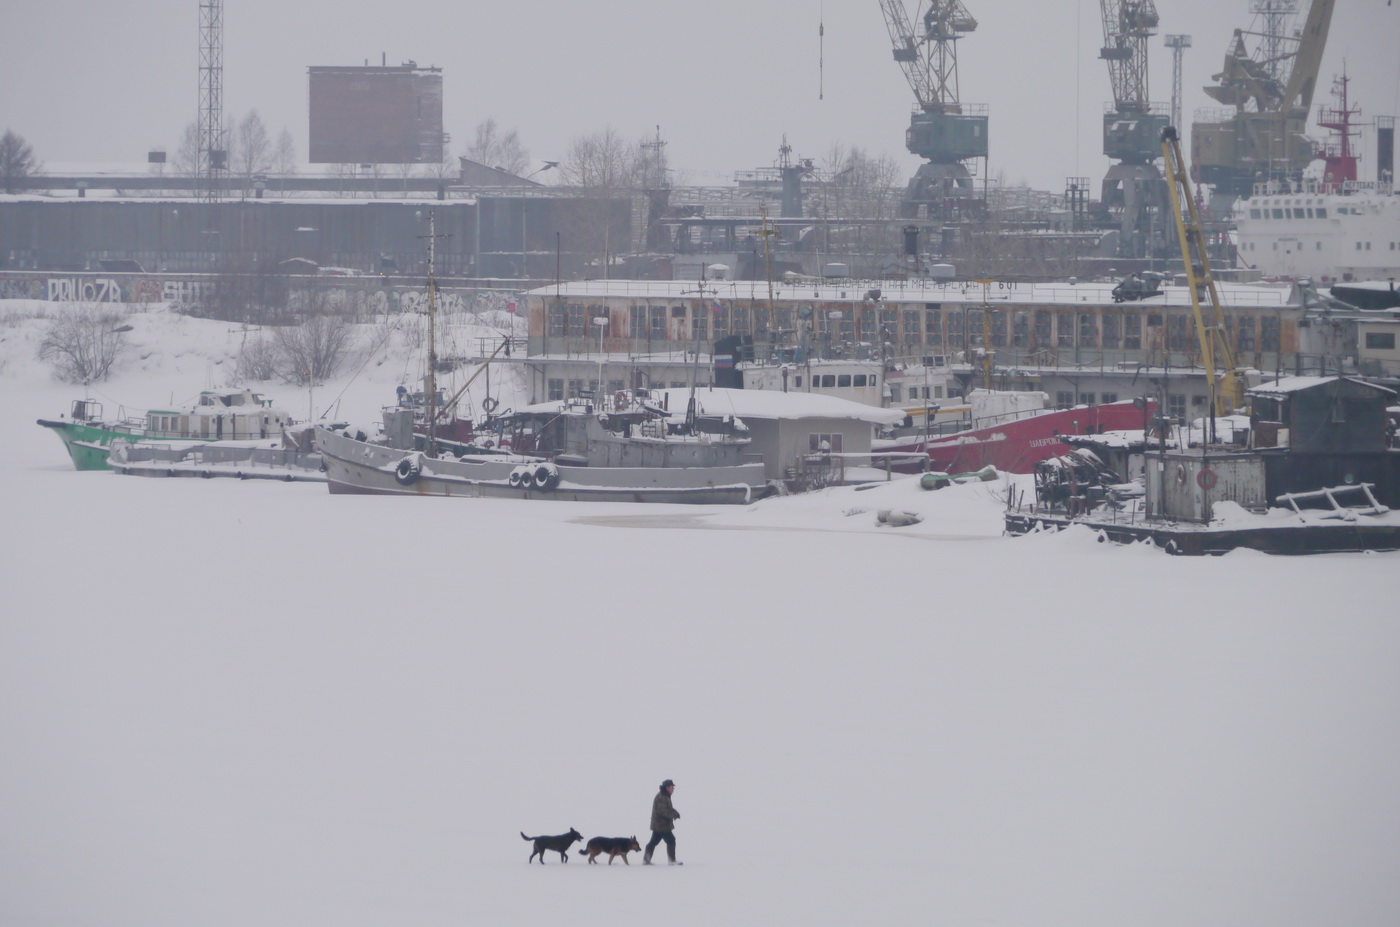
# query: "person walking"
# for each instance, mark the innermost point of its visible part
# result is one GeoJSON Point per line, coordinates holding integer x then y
{"type": "Point", "coordinates": [663, 822]}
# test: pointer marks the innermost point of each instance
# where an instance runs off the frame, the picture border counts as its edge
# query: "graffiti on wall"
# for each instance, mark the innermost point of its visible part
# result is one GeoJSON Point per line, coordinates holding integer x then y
{"type": "Point", "coordinates": [190, 290]}
{"type": "Point", "coordinates": [80, 290]}
{"type": "Point", "coordinates": [185, 292]}
{"type": "Point", "coordinates": [21, 288]}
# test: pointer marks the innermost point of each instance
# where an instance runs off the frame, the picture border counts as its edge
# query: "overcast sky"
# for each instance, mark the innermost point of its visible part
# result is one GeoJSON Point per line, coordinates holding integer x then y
{"type": "Point", "coordinates": [88, 81]}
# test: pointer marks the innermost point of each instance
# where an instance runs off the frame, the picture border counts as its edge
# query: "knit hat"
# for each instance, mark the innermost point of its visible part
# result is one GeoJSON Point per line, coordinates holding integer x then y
{"type": "Point", "coordinates": [668, 784]}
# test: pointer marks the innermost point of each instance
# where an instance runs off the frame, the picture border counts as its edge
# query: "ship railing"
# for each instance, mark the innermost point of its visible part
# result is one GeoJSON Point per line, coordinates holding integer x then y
{"type": "Point", "coordinates": [816, 469]}
{"type": "Point", "coordinates": [214, 455]}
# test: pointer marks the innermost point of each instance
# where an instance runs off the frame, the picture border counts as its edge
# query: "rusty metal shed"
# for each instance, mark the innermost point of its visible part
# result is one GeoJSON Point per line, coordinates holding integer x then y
{"type": "Point", "coordinates": [1338, 415]}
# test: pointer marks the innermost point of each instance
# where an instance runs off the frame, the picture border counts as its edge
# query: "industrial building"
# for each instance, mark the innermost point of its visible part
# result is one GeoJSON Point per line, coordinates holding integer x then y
{"type": "Point", "coordinates": [376, 115]}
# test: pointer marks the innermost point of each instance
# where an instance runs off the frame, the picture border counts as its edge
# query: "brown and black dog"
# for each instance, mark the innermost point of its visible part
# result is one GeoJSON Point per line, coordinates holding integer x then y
{"type": "Point", "coordinates": [613, 846]}
{"type": "Point", "coordinates": [559, 844]}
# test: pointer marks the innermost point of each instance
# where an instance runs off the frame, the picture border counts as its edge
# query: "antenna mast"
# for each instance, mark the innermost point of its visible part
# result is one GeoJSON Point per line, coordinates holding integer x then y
{"type": "Point", "coordinates": [213, 156]}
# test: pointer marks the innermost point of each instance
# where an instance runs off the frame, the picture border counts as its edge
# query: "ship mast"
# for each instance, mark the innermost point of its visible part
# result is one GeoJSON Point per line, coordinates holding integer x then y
{"type": "Point", "coordinates": [430, 381]}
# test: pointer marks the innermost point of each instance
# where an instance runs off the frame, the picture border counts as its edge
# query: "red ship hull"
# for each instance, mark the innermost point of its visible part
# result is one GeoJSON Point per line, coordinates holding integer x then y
{"type": "Point", "coordinates": [1016, 446]}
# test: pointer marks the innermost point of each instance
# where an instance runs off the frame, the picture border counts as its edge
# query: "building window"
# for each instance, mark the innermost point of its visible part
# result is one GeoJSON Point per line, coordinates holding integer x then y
{"type": "Point", "coordinates": [556, 390]}
{"type": "Point", "coordinates": [1107, 398]}
{"type": "Point", "coordinates": [1064, 330]}
{"type": "Point", "coordinates": [1245, 340]}
{"type": "Point", "coordinates": [955, 320]}
{"type": "Point", "coordinates": [1043, 324]}
{"type": "Point", "coordinates": [557, 321]}
{"type": "Point", "coordinates": [1177, 337]}
{"type": "Point", "coordinates": [1086, 399]}
{"type": "Point", "coordinates": [859, 380]}
{"type": "Point", "coordinates": [637, 322]}
{"type": "Point", "coordinates": [1176, 406]}
{"type": "Point", "coordinates": [1110, 331]}
{"type": "Point", "coordinates": [1064, 399]}
{"type": "Point", "coordinates": [657, 317]}
{"type": "Point", "coordinates": [828, 380]}
{"type": "Point", "coordinates": [1380, 341]}
{"type": "Point", "coordinates": [910, 333]}
{"type": "Point", "coordinates": [824, 443]}
{"type": "Point", "coordinates": [719, 319]}
{"type": "Point", "coordinates": [1021, 329]}
{"type": "Point", "coordinates": [699, 329]}
{"type": "Point", "coordinates": [998, 329]}
{"type": "Point", "coordinates": [740, 320]}
{"type": "Point", "coordinates": [933, 327]}
{"type": "Point", "coordinates": [1088, 330]}
{"type": "Point", "coordinates": [1268, 334]}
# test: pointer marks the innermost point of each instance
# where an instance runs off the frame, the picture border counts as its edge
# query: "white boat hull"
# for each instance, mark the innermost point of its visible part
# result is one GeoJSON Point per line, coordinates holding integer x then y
{"type": "Point", "coordinates": [360, 467]}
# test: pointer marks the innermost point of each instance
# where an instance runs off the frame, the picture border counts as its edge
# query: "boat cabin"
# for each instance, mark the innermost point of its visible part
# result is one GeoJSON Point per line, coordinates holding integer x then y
{"type": "Point", "coordinates": [1335, 415]}
{"type": "Point", "coordinates": [220, 415]}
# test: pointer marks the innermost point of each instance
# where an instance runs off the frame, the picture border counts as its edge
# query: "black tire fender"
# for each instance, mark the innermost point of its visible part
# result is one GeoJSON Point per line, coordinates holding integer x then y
{"type": "Point", "coordinates": [546, 476]}
{"type": "Point", "coordinates": [408, 470]}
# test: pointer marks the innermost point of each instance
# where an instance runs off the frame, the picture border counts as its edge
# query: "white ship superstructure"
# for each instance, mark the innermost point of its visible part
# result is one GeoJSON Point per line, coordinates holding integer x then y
{"type": "Point", "coordinates": [1326, 232]}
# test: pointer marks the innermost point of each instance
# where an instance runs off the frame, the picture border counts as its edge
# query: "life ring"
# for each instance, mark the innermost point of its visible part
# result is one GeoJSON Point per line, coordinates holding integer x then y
{"type": "Point", "coordinates": [489, 405]}
{"type": "Point", "coordinates": [408, 470]}
{"type": "Point", "coordinates": [546, 476]}
{"type": "Point", "coordinates": [620, 399]}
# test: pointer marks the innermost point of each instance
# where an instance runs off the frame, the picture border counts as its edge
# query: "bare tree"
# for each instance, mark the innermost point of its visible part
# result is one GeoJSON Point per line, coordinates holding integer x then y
{"type": "Point", "coordinates": [284, 156]}
{"type": "Point", "coordinates": [860, 185]}
{"type": "Point", "coordinates": [314, 350]}
{"type": "Point", "coordinates": [498, 149]}
{"type": "Point", "coordinates": [17, 161]}
{"type": "Point", "coordinates": [601, 161]}
{"type": "Point", "coordinates": [604, 169]}
{"type": "Point", "coordinates": [83, 342]}
{"type": "Point", "coordinates": [258, 359]}
{"type": "Point", "coordinates": [186, 161]}
{"type": "Point", "coordinates": [252, 150]}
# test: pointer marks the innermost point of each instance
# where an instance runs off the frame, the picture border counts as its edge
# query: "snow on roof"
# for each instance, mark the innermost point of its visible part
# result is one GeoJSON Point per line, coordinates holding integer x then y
{"type": "Point", "coordinates": [775, 404]}
{"type": "Point", "coordinates": [1289, 385]}
{"type": "Point", "coordinates": [892, 292]}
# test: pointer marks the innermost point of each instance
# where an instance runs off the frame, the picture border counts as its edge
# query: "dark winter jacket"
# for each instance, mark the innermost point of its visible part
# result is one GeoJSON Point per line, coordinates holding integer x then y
{"type": "Point", "coordinates": [663, 816]}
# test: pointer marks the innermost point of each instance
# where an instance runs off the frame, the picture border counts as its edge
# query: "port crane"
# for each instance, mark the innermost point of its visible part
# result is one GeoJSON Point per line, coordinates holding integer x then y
{"type": "Point", "coordinates": [1223, 376]}
{"type": "Point", "coordinates": [943, 130]}
{"type": "Point", "coordinates": [1133, 189]}
{"type": "Point", "coordinates": [1271, 92]}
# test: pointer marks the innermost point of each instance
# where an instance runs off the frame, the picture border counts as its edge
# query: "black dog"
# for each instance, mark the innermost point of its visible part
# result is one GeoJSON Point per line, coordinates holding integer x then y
{"type": "Point", "coordinates": [559, 844]}
{"type": "Point", "coordinates": [613, 846]}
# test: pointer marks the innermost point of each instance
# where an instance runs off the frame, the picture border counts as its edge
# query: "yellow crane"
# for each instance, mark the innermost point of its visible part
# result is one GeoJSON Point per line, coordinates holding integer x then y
{"type": "Point", "coordinates": [1217, 354]}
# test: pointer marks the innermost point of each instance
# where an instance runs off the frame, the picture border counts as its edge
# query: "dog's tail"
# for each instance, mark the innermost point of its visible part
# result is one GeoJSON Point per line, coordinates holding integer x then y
{"type": "Point", "coordinates": [523, 837]}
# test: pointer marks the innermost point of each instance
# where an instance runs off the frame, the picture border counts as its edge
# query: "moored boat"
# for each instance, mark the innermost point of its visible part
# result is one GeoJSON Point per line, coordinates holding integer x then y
{"type": "Point", "coordinates": [625, 451]}
{"type": "Point", "coordinates": [217, 415]}
{"type": "Point", "coordinates": [1014, 441]}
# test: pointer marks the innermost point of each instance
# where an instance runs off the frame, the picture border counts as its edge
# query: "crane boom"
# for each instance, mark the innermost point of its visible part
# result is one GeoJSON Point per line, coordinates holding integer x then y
{"type": "Point", "coordinates": [1217, 354]}
{"type": "Point", "coordinates": [1127, 25]}
{"type": "Point", "coordinates": [928, 57]}
{"type": "Point", "coordinates": [1302, 79]}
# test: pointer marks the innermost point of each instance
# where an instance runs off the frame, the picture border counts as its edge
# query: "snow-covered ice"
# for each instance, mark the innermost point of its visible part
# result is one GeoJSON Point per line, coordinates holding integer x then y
{"type": "Point", "coordinates": [233, 704]}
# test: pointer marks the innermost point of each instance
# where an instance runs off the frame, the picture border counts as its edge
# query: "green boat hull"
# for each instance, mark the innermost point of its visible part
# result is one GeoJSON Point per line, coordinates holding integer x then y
{"type": "Point", "coordinates": [88, 445]}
